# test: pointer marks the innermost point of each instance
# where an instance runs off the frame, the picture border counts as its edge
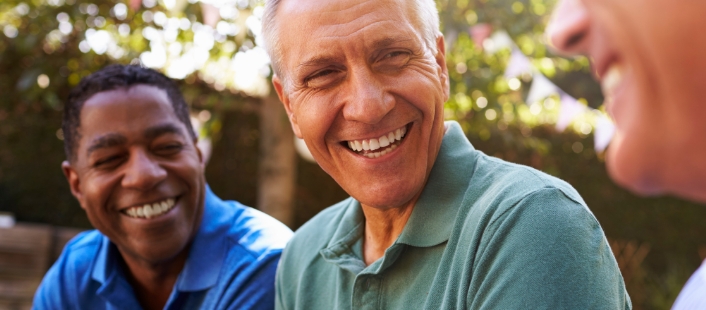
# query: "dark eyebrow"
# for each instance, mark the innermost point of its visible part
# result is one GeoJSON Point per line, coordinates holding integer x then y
{"type": "Point", "coordinates": [105, 141]}
{"type": "Point", "coordinates": [156, 131]}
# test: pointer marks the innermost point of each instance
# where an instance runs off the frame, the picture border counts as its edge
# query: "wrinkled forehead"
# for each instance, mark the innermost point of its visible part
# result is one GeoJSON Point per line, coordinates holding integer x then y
{"type": "Point", "coordinates": [317, 24]}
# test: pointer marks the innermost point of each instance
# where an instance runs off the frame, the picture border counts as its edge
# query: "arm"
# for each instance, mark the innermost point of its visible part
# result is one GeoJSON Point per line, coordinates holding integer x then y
{"type": "Point", "coordinates": [546, 252]}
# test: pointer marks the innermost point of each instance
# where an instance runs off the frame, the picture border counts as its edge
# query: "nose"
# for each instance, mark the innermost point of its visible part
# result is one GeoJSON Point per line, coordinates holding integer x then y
{"type": "Point", "coordinates": [142, 172]}
{"type": "Point", "coordinates": [568, 31]}
{"type": "Point", "coordinates": [366, 99]}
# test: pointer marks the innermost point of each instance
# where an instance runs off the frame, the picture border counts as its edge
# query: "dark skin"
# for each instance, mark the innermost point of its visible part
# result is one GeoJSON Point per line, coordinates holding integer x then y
{"type": "Point", "coordinates": [133, 151]}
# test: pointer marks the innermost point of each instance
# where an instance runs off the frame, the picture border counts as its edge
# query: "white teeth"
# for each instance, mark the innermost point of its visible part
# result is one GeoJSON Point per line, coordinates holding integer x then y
{"type": "Point", "coordinates": [151, 210]}
{"type": "Point", "coordinates": [375, 144]}
{"type": "Point", "coordinates": [147, 210]}
{"type": "Point", "coordinates": [612, 79]}
{"type": "Point", "coordinates": [384, 142]}
{"type": "Point", "coordinates": [358, 146]}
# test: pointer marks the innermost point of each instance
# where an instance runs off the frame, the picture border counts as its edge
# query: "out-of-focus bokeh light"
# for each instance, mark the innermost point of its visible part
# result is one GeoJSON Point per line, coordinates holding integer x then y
{"type": "Point", "coordinates": [43, 81]}
{"type": "Point", "coordinates": [482, 102]}
{"type": "Point", "coordinates": [491, 114]}
{"type": "Point", "coordinates": [461, 68]}
{"type": "Point", "coordinates": [10, 31]}
{"type": "Point", "coordinates": [514, 84]}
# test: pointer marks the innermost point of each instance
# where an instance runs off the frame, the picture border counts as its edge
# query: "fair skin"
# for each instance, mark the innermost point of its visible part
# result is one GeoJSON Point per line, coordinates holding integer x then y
{"type": "Point", "coordinates": [134, 151]}
{"type": "Point", "coordinates": [355, 71]}
{"type": "Point", "coordinates": [650, 62]}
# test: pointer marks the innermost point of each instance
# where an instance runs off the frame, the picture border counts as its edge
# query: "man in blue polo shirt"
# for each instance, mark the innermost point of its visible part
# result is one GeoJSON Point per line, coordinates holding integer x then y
{"type": "Point", "coordinates": [163, 239]}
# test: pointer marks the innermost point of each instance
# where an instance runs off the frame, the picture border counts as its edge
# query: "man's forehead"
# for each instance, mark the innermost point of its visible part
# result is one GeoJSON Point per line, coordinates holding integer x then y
{"type": "Point", "coordinates": [337, 17]}
{"type": "Point", "coordinates": [316, 29]}
{"type": "Point", "coordinates": [126, 112]}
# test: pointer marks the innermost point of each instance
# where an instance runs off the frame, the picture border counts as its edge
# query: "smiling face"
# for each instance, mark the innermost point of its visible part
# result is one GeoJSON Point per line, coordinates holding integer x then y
{"type": "Point", "coordinates": [137, 173]}
{"type": "Point", "coordinates": [652, 70]}
{"type": "Point", "coordinates": [365, 93]}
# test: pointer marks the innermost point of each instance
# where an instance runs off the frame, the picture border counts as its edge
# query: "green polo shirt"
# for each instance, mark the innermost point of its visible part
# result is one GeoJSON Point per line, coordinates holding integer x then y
{"type": "Point", "coordinates": [485, 234]}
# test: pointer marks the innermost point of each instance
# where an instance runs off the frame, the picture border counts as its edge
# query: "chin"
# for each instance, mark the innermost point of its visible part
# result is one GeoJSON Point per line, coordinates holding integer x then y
{"type": "Point", "coordinates": [634, 173]}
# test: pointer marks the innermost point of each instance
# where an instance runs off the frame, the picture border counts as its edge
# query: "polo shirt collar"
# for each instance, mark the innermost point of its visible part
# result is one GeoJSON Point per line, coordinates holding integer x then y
{"type": "Point", "coordinates": [431, 220]}
{"type": "Point", "coordinates": [350, 229]}
{"type": "Point", "coordinates": [203, 265]}
{"type": "Point", "coordinates": [208, 249]}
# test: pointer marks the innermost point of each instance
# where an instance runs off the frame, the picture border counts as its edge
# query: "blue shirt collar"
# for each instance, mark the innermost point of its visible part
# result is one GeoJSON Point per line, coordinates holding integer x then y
{"type": "Point", "coordinates": [203, 265]}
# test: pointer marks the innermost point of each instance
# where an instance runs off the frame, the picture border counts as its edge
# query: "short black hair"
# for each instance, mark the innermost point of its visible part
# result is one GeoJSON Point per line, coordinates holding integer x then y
{"type": "Point", "coordinates": [111, 78]}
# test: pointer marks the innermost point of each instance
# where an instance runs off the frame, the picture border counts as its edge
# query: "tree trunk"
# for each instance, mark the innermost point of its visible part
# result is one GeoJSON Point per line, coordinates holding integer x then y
{"type": "Point", "coordinates": [277, 171]}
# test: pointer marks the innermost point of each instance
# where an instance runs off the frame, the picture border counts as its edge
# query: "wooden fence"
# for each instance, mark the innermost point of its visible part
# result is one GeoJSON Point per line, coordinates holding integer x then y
{"type": "Point", "coordinates": [26, 253]}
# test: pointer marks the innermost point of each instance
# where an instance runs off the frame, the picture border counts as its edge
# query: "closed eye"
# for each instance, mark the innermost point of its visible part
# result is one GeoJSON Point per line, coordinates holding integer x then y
{"type": "Point", "coordinates": [169, 149]}
{"type": "Point", "coordinates": [108, 161]}
{"type": "Point", "coordinates": [322, 78]}
{"type": "Point", "coordinates": [393, 61]}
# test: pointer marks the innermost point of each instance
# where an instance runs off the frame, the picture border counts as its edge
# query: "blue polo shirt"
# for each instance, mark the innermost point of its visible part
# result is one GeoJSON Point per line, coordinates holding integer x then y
{"type": "Point", "coordinates": [231, 265]}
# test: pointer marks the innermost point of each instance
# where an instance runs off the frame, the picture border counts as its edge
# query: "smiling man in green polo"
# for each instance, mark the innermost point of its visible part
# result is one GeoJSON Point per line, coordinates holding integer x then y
{"type": "Point", "coordinates": [432, 223]}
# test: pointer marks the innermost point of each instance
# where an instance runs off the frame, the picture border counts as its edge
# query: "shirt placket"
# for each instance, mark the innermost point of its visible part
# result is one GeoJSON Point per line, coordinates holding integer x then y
{"type": "Point", "coordinates": [366, 292]}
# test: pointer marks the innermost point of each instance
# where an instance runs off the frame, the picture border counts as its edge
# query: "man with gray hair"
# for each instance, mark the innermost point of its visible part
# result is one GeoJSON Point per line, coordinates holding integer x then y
{"type": "Point", "coordinates": [432, 223]}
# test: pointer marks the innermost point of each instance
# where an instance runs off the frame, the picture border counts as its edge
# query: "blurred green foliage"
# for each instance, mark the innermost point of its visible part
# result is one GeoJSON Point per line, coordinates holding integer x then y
{"type": "Point", "coordinates": [47, 46]}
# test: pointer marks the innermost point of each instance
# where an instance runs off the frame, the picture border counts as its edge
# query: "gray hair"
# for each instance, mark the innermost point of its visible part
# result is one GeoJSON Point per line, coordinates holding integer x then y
{"type": "Point", "coordinates": [424, 16]}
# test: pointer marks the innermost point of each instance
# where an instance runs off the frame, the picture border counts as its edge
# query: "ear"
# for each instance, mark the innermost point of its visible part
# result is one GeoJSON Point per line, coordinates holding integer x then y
{"type": "Point", "coordinates": [284, 98]}
{"type": "Point", "coordinates": [74, 181]}
{"type": "Point", "coordinates": [441, 62]}
{"type": "Point", "coordinates": [198, 152]}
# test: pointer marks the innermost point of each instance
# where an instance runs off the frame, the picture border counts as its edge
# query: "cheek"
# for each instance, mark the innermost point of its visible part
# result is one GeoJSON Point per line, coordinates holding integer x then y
{"type": "Point", "coordinates": [315, 117]}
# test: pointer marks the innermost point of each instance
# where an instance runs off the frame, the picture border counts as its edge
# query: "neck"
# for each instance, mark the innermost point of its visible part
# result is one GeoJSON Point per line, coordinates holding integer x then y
{"type": "Point", "coordinates": [153, 282]}
{"type": "Point", "coordinates": [382, 227]}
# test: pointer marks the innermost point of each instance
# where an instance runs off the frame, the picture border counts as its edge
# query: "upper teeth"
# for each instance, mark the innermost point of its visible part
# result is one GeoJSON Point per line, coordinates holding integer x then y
{"type": "Point", "coordinates": [151, 210]}
{"type": "Point", "coordinates": [612, 79]}
{"type": "Point", "coordinates": [374, 144]}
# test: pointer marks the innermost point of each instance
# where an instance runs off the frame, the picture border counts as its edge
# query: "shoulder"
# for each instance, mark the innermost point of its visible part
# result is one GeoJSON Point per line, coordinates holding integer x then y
{"type": "Point", "coordinates": [520, 180]}
{"type": "Point", "coordinates": [313, 236]}
{"type": "Point", "coordinates": [62, 284]}
{"type": "Point", "coordinates": [318, 231]}
{"type": "Point", "coordinates": [80, 252]}
{"type": "Point", "coordinates": [501, 188]}
{"type": "Point", "coordinates": [256, 232]}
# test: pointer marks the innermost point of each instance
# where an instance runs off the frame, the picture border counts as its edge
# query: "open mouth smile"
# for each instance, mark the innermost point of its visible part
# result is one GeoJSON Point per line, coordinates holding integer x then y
{"type": "Point", "coordinates": [151, 210]}
{"type": "Point", "coordinates": [376, 147]}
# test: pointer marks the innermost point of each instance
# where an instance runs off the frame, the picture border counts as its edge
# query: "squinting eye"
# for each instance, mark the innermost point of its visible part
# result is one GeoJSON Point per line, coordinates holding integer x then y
{"type": "Point", "coordinates": [393, 60]}
{"type": "Point", "coordinates": [322, 78]}
{"type": "Point", "coordinates": [395, 54]}
{"type": "Point", "coordinates": [169, 149]}
{"type": "Point", "coordinates": [107, 162]}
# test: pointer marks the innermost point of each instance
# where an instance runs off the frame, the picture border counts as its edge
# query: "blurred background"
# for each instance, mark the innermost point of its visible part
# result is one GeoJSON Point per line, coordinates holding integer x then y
{"type": "Point", "coordinates": [212, 48]}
